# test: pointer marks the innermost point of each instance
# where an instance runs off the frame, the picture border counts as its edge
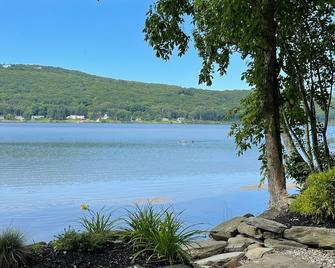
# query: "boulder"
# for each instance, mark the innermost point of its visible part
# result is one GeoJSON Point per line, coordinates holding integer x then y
{"type": "Point", "coordinates": [249, 230]}
{"type": "Point", "coordinates": [252, 246]}
{"type": "Point", "coordinates": [267, 235]}
{"type": "Point", "coordinates": [257, 253]}
{"type": "Point", "coordinates": [312, 236]}
{"type": "Point", "coordinates": [282, 244]}
{"type": "Point", "coordinates": [177, 266]}
{"type": "Point", "coordinates": [266, 225]}
{"type": "Point", "coordinates": [205, 248]}
{"type": "Point", "coordinates": [218, 259]}
{"type": "Point", "coordinates": [240, 243]}
{"type": "Point", "coordinates": [232, 264]}
{"type": "Point", "coordinates": [226, 230]}
{"type": "Point", "coordinates": [279, 261]}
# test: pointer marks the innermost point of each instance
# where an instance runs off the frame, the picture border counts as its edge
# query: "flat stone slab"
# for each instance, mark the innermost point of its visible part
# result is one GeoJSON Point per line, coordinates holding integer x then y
{"type": "Point", "coordinates": [257, 253]}
{"type": "Point", "coordinates": [205, 248]}
{"type": "Point", "coordinates": [249, 230]}
{"type": "Point", "coordinates": [266, 225]}
{"type": "Point", "coordinates": [282, 244]}
{"type": "Point", "coordinates": [177, 266]}
{"type": "Point", "coordinates": [227, 229]}
{"type": "Point", "coordinates": [279, 261]}
{"type": "Point", "coordinates": [217, 259]}
{"type": "Point", "coordinates": [312, 236]}
{"type": "Point", "coordinates": [240, 243]}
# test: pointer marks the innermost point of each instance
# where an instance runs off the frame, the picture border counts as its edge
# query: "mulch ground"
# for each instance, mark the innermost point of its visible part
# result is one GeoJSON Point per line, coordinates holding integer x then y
{"type": "Point", "coordinates": [115, 255]}
{"type": "Point", "coordinates": [295, 219]}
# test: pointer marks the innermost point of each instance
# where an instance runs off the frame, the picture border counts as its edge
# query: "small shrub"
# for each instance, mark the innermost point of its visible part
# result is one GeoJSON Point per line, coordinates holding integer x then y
{"type": "Point", "coordinates": [12, 249]}
{"type": "Point", "coordinates": [97, 221]}
{"type": "Point", "coordinates": [72, 240]}
{"type": "Point", "coordinates": [159, 234]}
{"type": "Point", "coordinates": [318, 199]}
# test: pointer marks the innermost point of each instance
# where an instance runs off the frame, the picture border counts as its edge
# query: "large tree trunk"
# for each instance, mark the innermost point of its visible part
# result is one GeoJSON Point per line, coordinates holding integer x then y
{"type": "Point", "coordinates": [275, 170]}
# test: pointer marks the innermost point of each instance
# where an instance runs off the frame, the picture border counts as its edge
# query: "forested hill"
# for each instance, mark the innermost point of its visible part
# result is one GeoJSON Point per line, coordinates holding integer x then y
{"type": "Point", "coordinates": [55, 93]}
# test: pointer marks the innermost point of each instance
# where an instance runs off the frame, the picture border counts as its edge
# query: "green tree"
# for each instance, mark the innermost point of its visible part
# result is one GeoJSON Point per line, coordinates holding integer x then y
{"type": "Point", "coordinates": [220, 28]}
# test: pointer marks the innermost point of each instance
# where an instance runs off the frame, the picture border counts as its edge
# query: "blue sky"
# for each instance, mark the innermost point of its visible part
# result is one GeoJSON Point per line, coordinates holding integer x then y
{"type": "Point", "coordinates": [103, 38]}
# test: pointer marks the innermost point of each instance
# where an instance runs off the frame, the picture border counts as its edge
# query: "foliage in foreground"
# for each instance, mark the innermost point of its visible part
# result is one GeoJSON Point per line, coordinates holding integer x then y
{"type": "Point", "coordinates": [159, 234]}
{"type": "Point", "coordinates": [72, 240]}
{"type": "Point", "coordinates": [12, 249]}
{"type": "Point", "coordinates": [97, 221]}
{"type": "Point", "coordinates": [318, 199]}
{"type": "Point", "coordinates": [99, 230]}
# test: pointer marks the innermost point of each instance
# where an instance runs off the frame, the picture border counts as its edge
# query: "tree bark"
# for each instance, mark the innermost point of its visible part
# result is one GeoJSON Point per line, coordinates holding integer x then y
{"type": "Point", "coordinates": [270, 89]}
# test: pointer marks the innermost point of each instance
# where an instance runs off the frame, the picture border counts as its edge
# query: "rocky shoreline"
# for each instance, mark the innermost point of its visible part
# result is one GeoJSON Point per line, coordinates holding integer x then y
{"type": "Point", "coordinates": [246, 241]}
{"type": "Point", "coordinates": [257, 242]}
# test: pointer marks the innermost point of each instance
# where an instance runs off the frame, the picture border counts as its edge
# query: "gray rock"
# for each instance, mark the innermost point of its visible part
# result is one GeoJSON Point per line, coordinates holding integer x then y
{"type": "Point", "coordinates": [240, 243]}
{"type": "Point", "coordinates": [257, 253]}
{"type": "Point", "coordinates": [249, 230]}
{"type": "Point", "coordinates": [226, 230]}
{"type": "Point", "coordinates": [232, 264]}
{"type": "Point", "coordinates": [267, 235]}
{"type": "Point", "coordinates": [205, 248]}
{"type": "Point", "coordinates": [253, 246]}
{"type": "Point", "coordinates": [279, 261]}
{"type": "Point", "coordinates": [177, 266]}
{"type": "Point", "coordinates": [312, 236]}
{"type": "Point", "coordinates": [282, 244]}
{"type": "Point", "coordinates": [266, 225]}
{"type": "Point", "coordinates": [217, 259]}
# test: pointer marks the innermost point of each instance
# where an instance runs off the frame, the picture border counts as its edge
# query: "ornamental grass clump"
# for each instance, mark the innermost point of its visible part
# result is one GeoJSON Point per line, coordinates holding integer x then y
{"type": "Point", "coordinates": [98, 232]}
{"type": "Point", "coordinates": [98, 221]}
{"type": "Point", "coordinates": [12, 249]}
{"type": "Point", "coordinates": [159, 234]}
{"type": "Point", "coordinates": [318, 199]}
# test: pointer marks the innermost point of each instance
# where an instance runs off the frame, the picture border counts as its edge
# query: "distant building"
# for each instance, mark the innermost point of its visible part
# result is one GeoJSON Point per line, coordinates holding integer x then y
{"type": "Point", "coordinates": [6, 66]}
{"type": "Point", "coordinates": [105, 117]}
{"type": "Point", "coordinates": [19, 117]}
{"type": "Point", "coordinates": [75, 117]}
{"type": "Point", "coordinates": [2, 117]}
{"type": "Point", "coordinates": [180, 120]}
{"type": "Point", "coordinates": [164, 119]}
{"type": "Point", "coordinates": [36, 117]}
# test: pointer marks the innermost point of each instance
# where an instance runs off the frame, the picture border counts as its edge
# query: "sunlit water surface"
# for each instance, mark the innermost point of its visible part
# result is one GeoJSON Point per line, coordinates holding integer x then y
{"type": "Point", "coordinates": [48, 170]}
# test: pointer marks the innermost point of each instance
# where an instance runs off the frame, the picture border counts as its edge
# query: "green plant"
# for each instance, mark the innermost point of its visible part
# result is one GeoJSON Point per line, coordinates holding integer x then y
{"type": "Point", "coordinates": [318, 199]}
{"type": "Point", "coordinates": [97, 221]}
{"type": "Point", "coordinates": [12, 249]}
{"type": "Point", "coordinates": [86, 241]}
{"type": "Point", "coordinates": [159, 234]}
{"type": "Point", "coordinates": [70, 239]}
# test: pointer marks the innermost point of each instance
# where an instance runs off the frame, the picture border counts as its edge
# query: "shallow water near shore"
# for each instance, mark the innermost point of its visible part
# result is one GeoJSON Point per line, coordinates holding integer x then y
{"type": "Point", "coordinates": [48, 170]}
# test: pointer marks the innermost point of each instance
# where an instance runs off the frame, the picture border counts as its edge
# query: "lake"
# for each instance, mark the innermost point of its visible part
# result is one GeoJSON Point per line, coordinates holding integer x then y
{"type": "Point", "coordinates": [48, 170]}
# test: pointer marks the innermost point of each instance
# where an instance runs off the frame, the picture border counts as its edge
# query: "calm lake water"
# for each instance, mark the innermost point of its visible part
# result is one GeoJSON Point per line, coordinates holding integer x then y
{"type": "Point", "coordinates": [48, 170]}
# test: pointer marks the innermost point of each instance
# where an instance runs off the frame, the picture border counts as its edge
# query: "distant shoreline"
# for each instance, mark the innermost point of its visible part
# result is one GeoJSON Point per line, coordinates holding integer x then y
{"type": "Point", "coordinates": [121, 122]}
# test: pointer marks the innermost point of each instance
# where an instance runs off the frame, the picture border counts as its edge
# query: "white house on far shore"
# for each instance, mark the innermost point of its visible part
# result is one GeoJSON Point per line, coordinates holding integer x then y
{"type": "Point", "coordinates": [75, 117]}
{"type": "Point", "coordinates": [36, 117]}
